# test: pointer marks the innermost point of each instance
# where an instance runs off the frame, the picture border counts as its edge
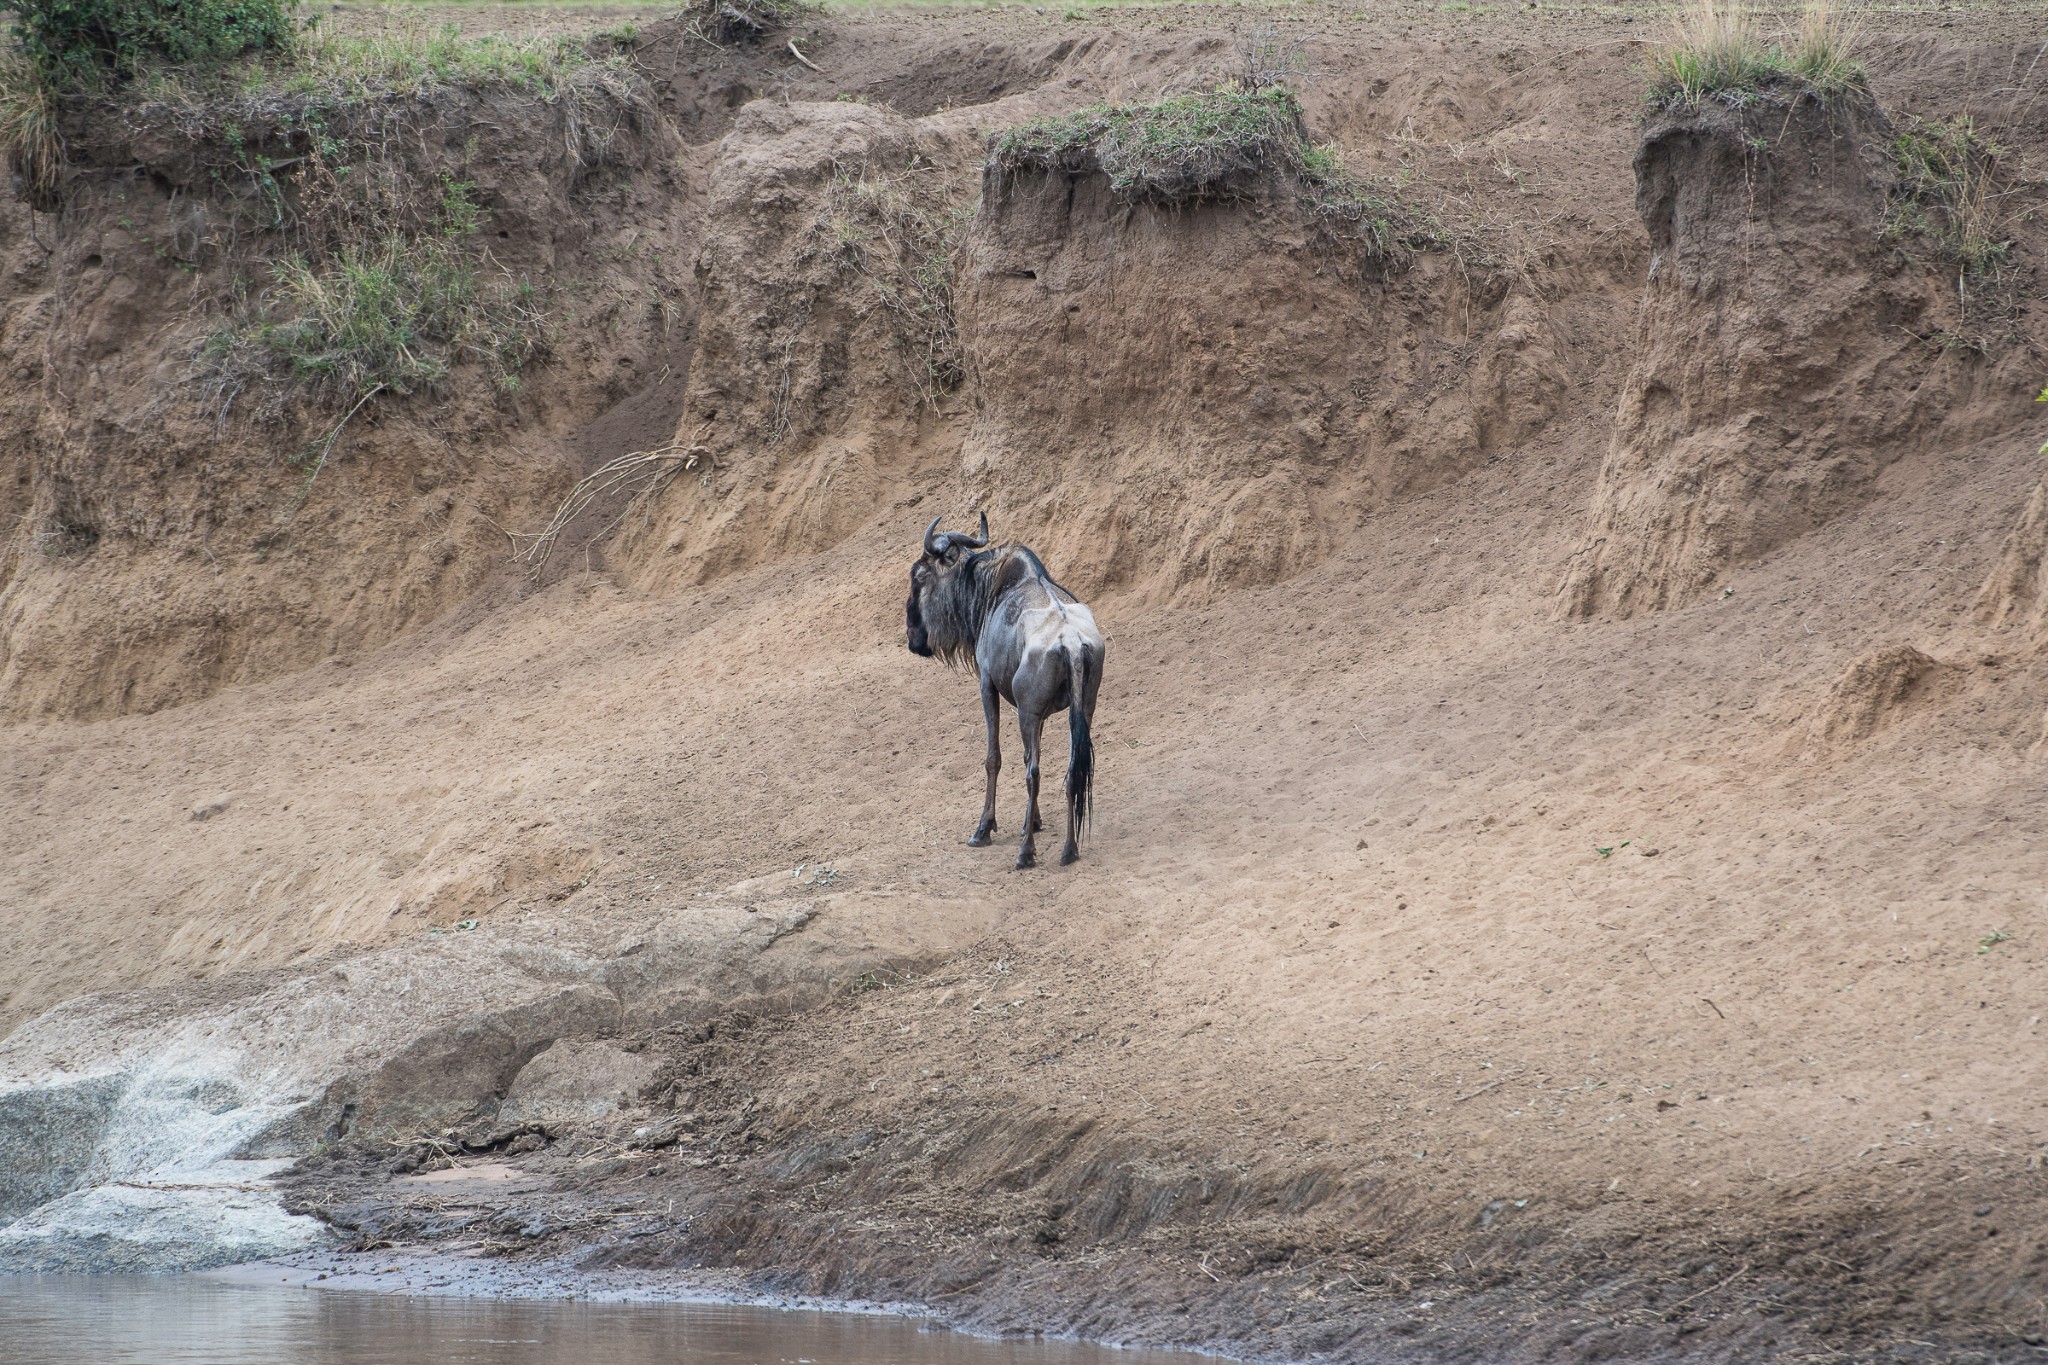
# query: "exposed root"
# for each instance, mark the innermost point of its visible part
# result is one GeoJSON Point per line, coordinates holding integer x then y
{"type": "Point", "coordinates": [636, 475]}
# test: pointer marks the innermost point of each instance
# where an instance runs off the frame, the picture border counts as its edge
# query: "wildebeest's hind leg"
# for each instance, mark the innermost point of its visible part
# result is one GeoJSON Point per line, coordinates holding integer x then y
{"type": "Point", "coordinates": [991, 708]}
{"type": "Point", "coordinates": [1032, 725]}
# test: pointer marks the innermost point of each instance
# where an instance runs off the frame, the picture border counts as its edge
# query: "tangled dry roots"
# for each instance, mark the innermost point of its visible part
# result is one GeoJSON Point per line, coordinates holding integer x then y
{"type": "Point", "coordinates": [727, 22]}
{"type": "Point", "coordinates": [635, 476]}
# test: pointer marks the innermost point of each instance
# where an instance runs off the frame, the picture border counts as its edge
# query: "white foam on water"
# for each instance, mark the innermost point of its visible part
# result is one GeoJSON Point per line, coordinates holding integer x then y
{"type": "Point", "coordinates": [161, 1188]}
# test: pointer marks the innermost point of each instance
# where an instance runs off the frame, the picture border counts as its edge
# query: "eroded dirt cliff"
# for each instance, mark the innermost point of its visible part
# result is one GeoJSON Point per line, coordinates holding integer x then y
{"type": "Point", "coordinates": [1460, 969]}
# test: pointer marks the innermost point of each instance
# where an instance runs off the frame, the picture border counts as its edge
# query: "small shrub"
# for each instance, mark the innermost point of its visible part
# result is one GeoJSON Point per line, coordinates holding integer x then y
{"type": "Point", "coordinates": [461, 215]}
{"type": "Point", "coordinates": [1717, 53]}
{"type": "Point", "coordinates": [80, 43]}
{"type": "Point", "coordinates": [1947, 171]}
{"type": "Point", "coordinates": [1266, 59]}
{"type": "Point", "coordinates": [29, 135]}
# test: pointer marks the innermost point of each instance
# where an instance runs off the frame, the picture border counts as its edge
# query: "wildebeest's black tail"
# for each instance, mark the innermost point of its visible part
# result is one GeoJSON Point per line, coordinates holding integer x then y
{"type": "Point", "coordinates": [1080, 748]}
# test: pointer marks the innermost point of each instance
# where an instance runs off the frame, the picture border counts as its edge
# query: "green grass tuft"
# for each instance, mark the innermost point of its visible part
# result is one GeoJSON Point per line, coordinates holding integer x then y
{"type": "Point", "coordinates": [396, 314]}
{"type": "Point", "coordinates": [30, 138]}
{"type": "Point", "coordinates": [1717, 54]}
{"type": "Point", "coordinates": [1821, 49]}
{"type": "Point", "coordinates": [1218, 144]}
{"type": "Point", "coordinates": [1230, 143]}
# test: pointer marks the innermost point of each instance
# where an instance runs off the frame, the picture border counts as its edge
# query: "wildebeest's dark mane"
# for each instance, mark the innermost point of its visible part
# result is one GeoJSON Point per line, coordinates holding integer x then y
{"type": "Point", "coordinates": [959, 599]}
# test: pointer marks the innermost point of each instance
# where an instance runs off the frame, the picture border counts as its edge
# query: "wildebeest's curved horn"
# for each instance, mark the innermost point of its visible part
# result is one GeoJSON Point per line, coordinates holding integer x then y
{"type": "Point", "coordinates": [973, 542]}
{"type": "Point", "coordinates": [932, 546]}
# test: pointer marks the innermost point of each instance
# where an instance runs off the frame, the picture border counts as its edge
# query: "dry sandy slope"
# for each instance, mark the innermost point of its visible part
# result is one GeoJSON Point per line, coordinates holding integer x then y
{"type": "Point", "coordinates": [1772, 1045]}
{"type": "Point", "coordinates": [1344, 933]}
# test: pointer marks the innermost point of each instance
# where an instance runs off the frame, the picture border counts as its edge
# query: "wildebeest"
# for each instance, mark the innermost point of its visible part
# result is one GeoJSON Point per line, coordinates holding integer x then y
{"type": "Point", "coordinates": [1031, 643]}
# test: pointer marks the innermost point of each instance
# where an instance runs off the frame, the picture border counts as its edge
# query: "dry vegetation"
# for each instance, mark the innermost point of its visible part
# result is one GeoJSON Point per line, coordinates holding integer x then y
{"type": "Point", "coordinates": [900, 234]}
{"type": "Point", "coordinates": [729, 22]}
{"type": "Point", "coordinates": [1948, 191]}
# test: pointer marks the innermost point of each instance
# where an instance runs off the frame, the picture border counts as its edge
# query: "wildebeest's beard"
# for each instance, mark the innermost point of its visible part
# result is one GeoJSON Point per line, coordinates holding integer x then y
{"type": "Point", "coordinates": [920, 643]}
{"type": "Point", "coordinates": [948, 602]}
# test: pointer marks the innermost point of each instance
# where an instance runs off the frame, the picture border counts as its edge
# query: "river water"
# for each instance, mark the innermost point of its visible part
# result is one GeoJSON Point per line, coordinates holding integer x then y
{"type": "Point", "coordinates": [197, 1320]}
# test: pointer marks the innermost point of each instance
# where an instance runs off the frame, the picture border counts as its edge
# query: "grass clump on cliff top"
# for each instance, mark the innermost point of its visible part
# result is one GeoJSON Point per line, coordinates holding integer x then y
{"type": "Point", "coordinates": [1241, 141]}
{"type": "Point", "coordinates": [1717, 53]}
{"type": "Point", "coordinates": [1216, 144]}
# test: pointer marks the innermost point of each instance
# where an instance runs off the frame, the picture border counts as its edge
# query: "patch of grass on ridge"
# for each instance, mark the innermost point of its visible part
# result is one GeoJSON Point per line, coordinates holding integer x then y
{"type": "Point", "coordinates": [414, 59]}
{"type": "Point", "coordinates": [396, 314]}
{"type": "Point", "coordinates": [1717, 53]}
{"type": "Point", "coordinates": [1215, 144]}
{"type": "Point", "coordinates": [1228, 143]}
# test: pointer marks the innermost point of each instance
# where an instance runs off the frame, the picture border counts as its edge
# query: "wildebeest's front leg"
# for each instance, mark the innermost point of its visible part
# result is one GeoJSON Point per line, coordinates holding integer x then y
{"type": "Point", "coordinates": [1032, 726]}
{"type": "Point", "coordinates": [991, 707]}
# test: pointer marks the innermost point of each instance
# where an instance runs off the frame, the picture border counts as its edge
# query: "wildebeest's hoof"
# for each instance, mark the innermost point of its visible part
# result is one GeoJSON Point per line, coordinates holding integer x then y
{"type": "Point", "coordinates": [978, 839]}
{"type": "Point", "coordinates": [1069, 855]}
{"type": "Point", "coordinates": [1026, 859]}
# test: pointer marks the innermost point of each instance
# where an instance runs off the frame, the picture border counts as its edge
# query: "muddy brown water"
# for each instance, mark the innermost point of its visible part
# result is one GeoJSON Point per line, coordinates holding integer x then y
{"type": "Point", "coordinates": [191, 1320]}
